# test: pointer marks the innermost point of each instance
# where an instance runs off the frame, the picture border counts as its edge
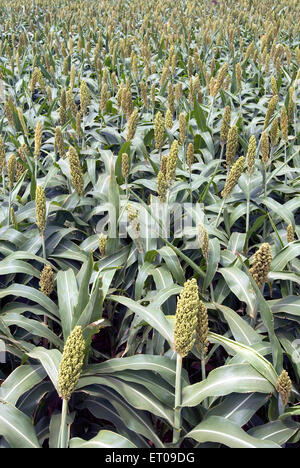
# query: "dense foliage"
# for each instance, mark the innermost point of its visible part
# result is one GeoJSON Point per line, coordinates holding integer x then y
{"type": "Point", "coordinates": [149, 223]}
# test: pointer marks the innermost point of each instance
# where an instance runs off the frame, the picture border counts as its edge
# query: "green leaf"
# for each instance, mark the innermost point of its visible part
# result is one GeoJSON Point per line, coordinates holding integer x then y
{"type": "Point", "coordinates": [22, 379]}
{"type": "Point", "coordinates": [16, 427]}
{"type": "Point", "coordinates": [93, 309]}
{"type": "Point", "coordinates": [240, 329]}
{"type": "Point", "coordinates": [262, 365]}
{"type": "Point", "coordinates": [8, 267]}
{"type": "Point", "coordinates": [237, 378]}
{"type": "Point", "coordinates": [286, 255]}
{"type": "Point", "coordinates": [67, 292]}
{"type": "Point", "coordinates": [138, 421]}
{"type": "Point", "coordinates": [104, 439]}
{"type": "Point", "coordinates": [135, 394]}
{"type": "Point", "coordinates": [83, 278]}
{"type": "Point", "coordinates": [154, 317]}
{"type": "Point", "coordinates": [225, 432]}
{"type": "Point", "coordinates": [19, 290]}
{"type": "Point", "coordinates": [50, 360]}
{"type": "Point", "coordinates": [213, 261]}
{"type": "Point", "coordinates": [240, 285]}
{"type": "Point", "coordinates": [158, 364]}
{"type": "Point", "coordinates": [276, 431]}
{"type": "Point", "coordinates": [239, 408]}
{"type": "Point", "coordinates": [32, 326]}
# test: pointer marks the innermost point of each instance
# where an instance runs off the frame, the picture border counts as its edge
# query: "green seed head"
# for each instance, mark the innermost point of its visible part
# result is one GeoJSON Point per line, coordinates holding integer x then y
{"type": "Point", "coordinates": [75, 169]}
{"type": "Point", "coordinates": [265, 148]}
{"type": "Point", "coordinates": [102, 244]}
{"type": "Point", "coordinates": [190, 156]}
{"type": "Point", "coordinates": [40, 208]}
{"type": "Point", "coordinates": [202, 330]}
{"type": "Point", "coordinates": [11, 170]}
{"type": "Point", "coordinates": [232, 144]}
{"type": "Point", "coordinates": [159, 131]}
{"type": "Point", "coordinates": [169, 119]}
{"type": "Point", "coordinates": [2, 154]}
{"type": "Point", "coordinates": [85, 97]}
{"type": "Point", "coordinates": [132, 124]}
{"type": "Point", "coordinates": [220, 79]}
{"type": "Point", "coordinates": [71, 106]}
{"type": "Point", "coordinates": [290, 236]}
{"type": "Point", "coordinates": [274, 85]}
{"type": "Point", "coordinates": [47, 280]}
{"type": "Point", "coordinates": [162, 186]}
{"type": "Point", "coordinates": [284, 387]}
{"type": "Point", "coordinates": [125, 165]}
{"type": "Point", "coordinates": [251, 154]}
{"type": "Point", "coordinates": [271, 109]}
{"type": "Point", "coordinates": [233, 177]}
{"type": "Point", "coordinates": [71, 363]}
{"type": "Point", "coordinates": [238, 72]}
{"type": "Point", "coordinates": [274, 132]}
{"type": "Point", "coordinates": [59, 143]}
{"type": "Point", "coordinates": [203, 240]}
{"type": "Point", "coordinates": [172, 162]}
{"type": "Point", "coordinates": [225, 125]}
{"type": "Point", "coordinates": [38, 139]}
{"type": "Point", "coordinates": [186, 318]}
{"type": "Point", "coordinates": [261, 264]}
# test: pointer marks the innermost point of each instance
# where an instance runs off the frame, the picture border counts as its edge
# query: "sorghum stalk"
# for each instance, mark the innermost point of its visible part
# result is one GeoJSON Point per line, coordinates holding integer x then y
{"type": "Point", "coordinates": [2, 161]}
{"type": "Point", "coordinates": [284, 125]}
{"type": "Point", "coordinates": [265, 154]}
{"type": "Point", "coordinates": [251, 154]}
{"type": "Point", "coordinates": [11, 169]}
{"type": "Point", "coordinates": [190, 159]}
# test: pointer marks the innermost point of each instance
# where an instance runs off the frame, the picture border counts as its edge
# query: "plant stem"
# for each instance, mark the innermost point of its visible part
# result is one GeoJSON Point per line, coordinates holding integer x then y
{"type": "Point", "coordinates": [3, 181]}
{"type": "Point", "coordinates": [63, 437]}
{"type": "Point", "coordinates": [265, 194]}
{"type": "Point", "coordinates": [43, 245]}
{"type": "Point", "coordinates": [177, 409]}
{"type": "Point", "coordinates": [203, 370]}
{"type": "Point", "coordinates": [9, 205]}
{"type": "Point", "coordinates": [45, 341]}
{"type": "Point", "coordinates": [285, 175]}
{"type": "Point", "coordinates": [35, 169]}
{"type": "Point", "coordinates": [210, 111]}
{"type": "Point", "coordinates": [191, 192]}
{"type": "Point", "coordinates": [247, 212]}
{"type": "Point", "coordinates": [220, 212]}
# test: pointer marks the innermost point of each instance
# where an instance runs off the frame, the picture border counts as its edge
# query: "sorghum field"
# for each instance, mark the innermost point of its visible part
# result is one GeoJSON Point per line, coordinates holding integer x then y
{"type": "Point", "coordinates": [149, 224]}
